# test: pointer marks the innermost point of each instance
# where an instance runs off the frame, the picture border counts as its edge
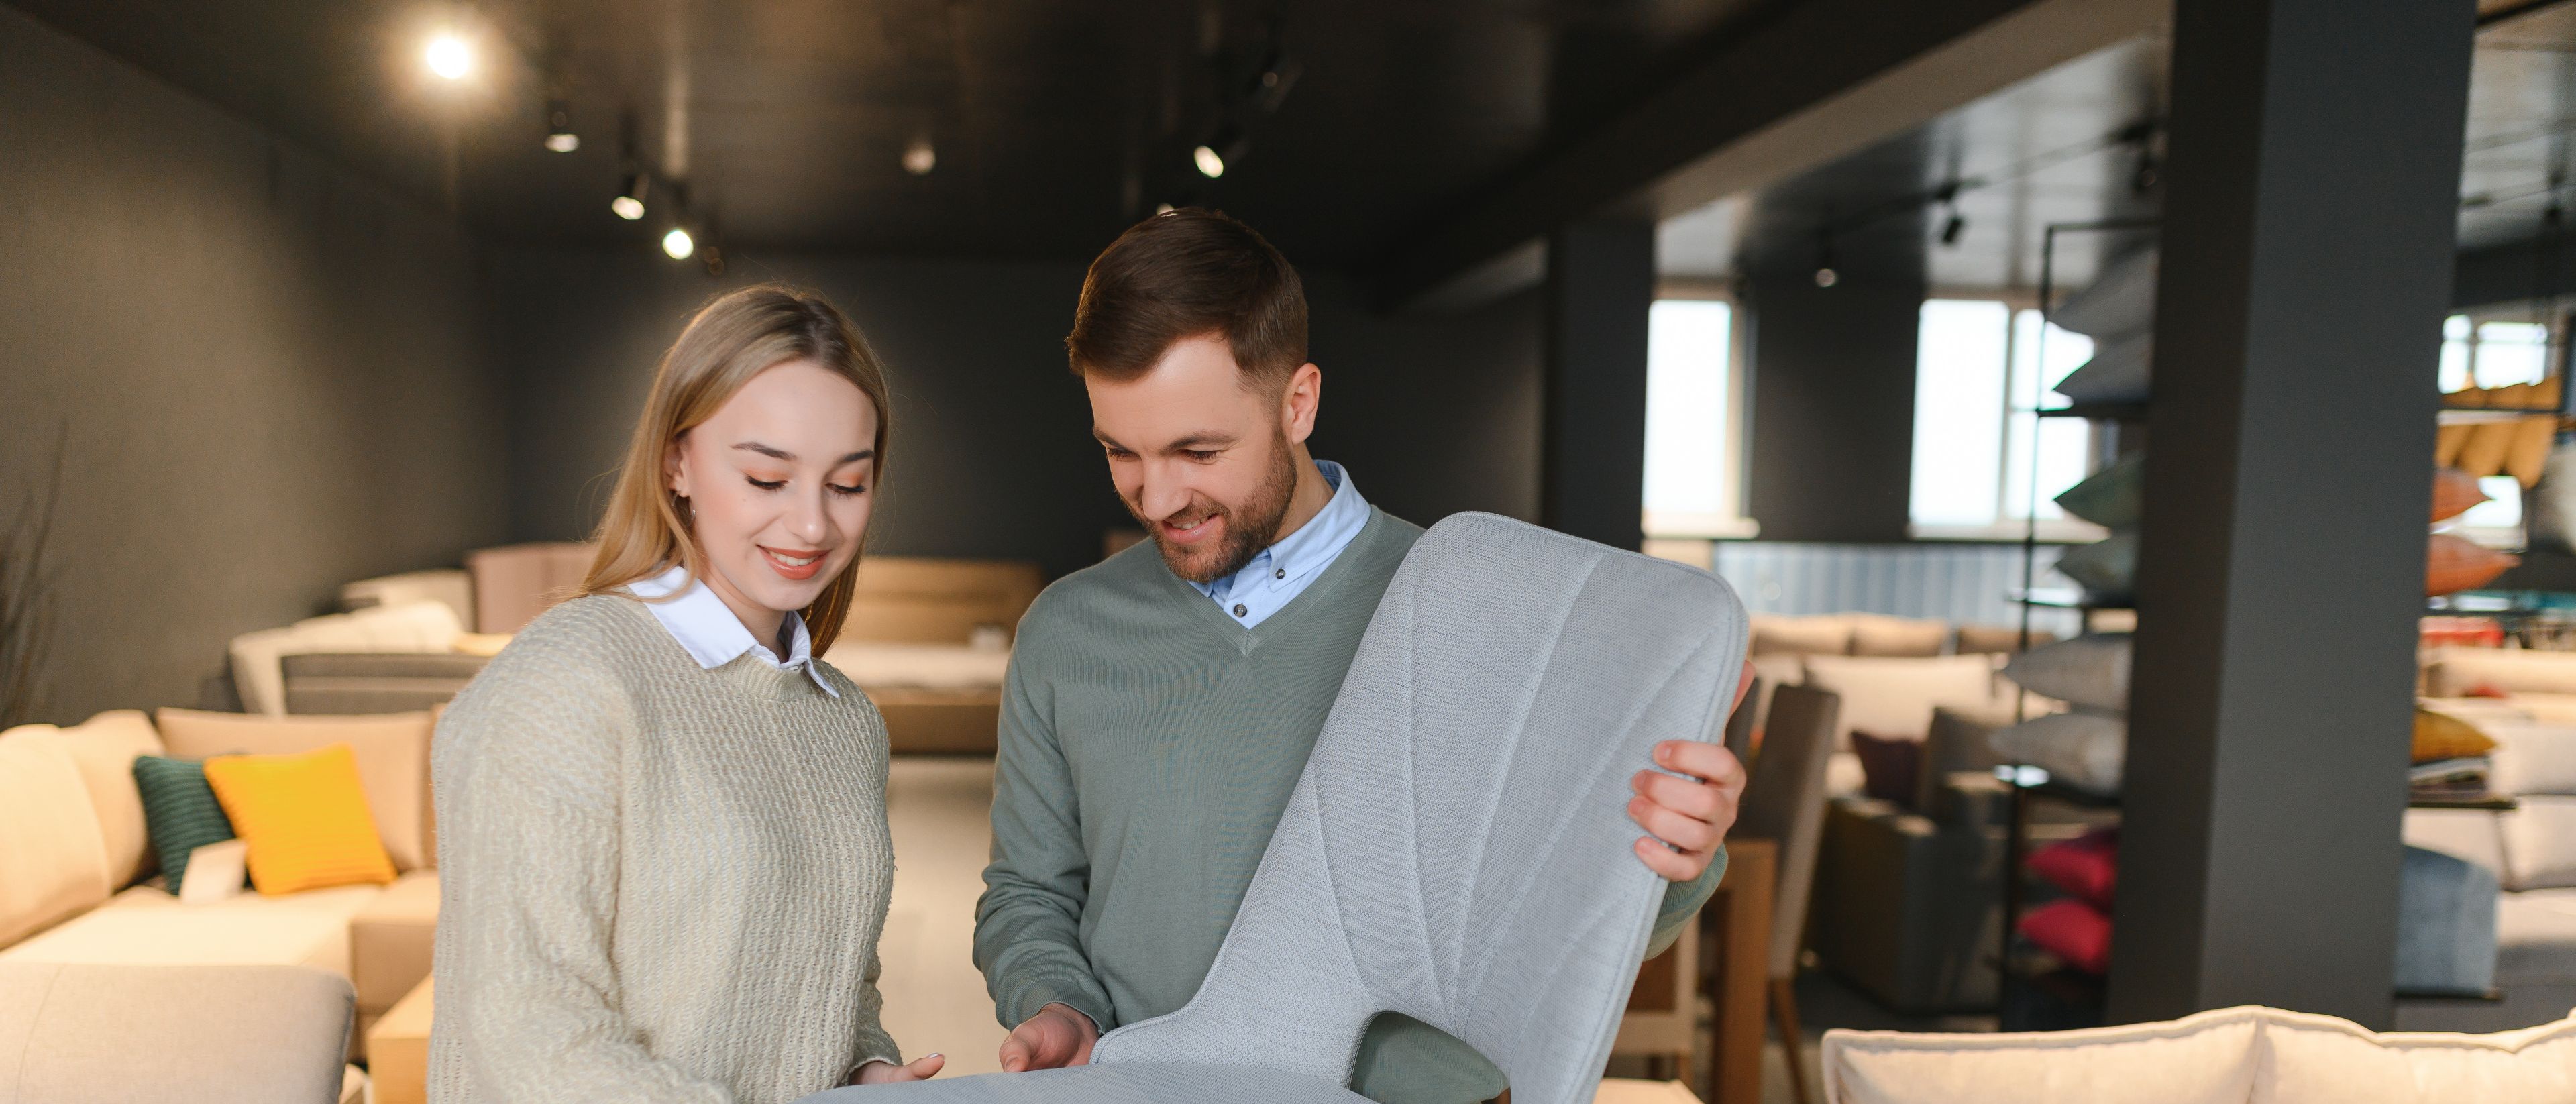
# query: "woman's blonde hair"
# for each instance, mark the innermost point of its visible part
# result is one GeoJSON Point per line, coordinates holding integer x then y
{"type": "Point", "coordinates": [647, 528]}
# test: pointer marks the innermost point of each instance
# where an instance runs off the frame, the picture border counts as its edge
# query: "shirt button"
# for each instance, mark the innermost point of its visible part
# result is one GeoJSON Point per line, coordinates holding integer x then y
{"type": "Point", "coordinates": [1282, 573]}
{"type": "Point", "coordinates": [1239, 610]}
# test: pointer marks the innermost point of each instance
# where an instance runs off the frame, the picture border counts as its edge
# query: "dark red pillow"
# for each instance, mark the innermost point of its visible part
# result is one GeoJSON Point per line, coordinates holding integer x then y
{"type": "Point", "coordinates": [2087, 866]}
{"type": "Point", "coordinates": [2077, 933]}
{"type": "Point", "coordinates": [1888, 766]}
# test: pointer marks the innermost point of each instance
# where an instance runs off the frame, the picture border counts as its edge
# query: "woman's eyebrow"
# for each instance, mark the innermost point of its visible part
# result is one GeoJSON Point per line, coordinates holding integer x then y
{"type": "Point", "coordinates": [776, 453]}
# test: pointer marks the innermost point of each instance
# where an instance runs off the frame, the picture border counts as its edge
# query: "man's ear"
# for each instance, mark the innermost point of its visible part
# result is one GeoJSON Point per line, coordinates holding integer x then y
{"type": "Point", "coordinates": [1297, 402]}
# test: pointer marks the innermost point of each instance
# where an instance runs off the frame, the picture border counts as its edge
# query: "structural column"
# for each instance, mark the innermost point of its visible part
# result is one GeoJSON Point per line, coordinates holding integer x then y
{"type": "Point", "coordinates": [1592, 435]}
{"type": "Point", "coordinates": [1832, 424]}
{"type": "Point", "coordinates": [2312, 176]}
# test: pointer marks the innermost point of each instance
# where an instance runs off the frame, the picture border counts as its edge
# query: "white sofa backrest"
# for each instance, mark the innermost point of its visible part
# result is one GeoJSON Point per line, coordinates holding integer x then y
{"type": "Point", "coordinates": [53, 862]}
{"type": "Point", "coordinates": [422, 626]}
{"type": "Point", "coordinates": [2244, 1055]}
{"type": "Point", "coordinates": [448, 585]}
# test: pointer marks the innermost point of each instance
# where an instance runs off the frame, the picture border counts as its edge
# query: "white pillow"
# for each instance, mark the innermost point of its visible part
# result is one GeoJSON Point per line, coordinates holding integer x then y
{"type": "Point", "coordinates": [2456, 670]}
{"type": "Point", "coordinates": [2474, 835]}
{"type": "Point", "coordinates": [2120, 301]}
{"type": "Point", "coordinates": [2081, 749]}
{"type": "Point", "coordinates": [2120, 372]}
{"type": "Point", "coordinates": [2539, 844]}
{"type": "Point", "coordinates": [2530, 757]}
{"type": "Point", "coordinates": [1821, 634]}
{"type": "Point", "coordinates": [2088, 671]}
{"type": "Point", "coordinates": [1877, 634]}
{"type": "Point", "coordinates": [2319, 1058]}
{"type": "Point", "coordinates": [1894, 696]}
{"type": "Point", "coordinates": [2107, 567]}
{"type": "Point", "coordinates": [2207, 1058]}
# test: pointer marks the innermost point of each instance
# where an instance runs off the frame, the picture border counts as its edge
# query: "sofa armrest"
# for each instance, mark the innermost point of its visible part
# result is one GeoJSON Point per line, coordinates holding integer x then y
{"type": "Point", "coordinates": [203, 1034]}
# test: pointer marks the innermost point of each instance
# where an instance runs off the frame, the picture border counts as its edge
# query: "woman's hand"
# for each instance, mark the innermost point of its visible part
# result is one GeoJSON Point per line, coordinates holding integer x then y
{"type": "Point", "coordinates": [887, 1073]}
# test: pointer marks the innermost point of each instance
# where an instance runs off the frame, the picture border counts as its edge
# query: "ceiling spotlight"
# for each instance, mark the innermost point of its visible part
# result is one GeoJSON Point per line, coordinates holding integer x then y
{"type": "Point", "coordinates": [1210, 164]}
{"type": "Point", "coordinates": [1951, 230]}
{"type": "Point", "coordinates": [449, 57]}
{"type": "Point", "coordinates": [920, 157]}
{"type": "Point", "coordinates": [678, 244]}
{"type": "Point", "coordinates": [629, 203]}
{"type": "Point", "coordinates": [1827, 277]}
{"type": "Point", "coordinates": [1162, 208]}
{"type": "Point", "coordinates": [559, 135]}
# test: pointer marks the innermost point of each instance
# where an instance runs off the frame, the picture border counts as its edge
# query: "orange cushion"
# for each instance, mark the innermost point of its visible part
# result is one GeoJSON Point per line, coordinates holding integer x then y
{"type": "Point", "coordinates": [2454, 491]}
{"type": "Point", "coordinates": [2443, 736]}
{"type": "Point", "coordinates": [304, 817]}
{"type": "Point", "coordinates": [2453, 563]}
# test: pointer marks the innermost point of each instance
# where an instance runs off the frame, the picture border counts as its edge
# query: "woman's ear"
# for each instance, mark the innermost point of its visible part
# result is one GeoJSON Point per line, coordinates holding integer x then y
{"type": "Point", "coordinates": [675, 476]}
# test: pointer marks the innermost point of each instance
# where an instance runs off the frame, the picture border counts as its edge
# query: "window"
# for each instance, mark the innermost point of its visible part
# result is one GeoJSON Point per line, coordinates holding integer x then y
{"type": "Point", "coordinates": [2493, 354]}
{"type": "Point", "coordinates": [1694, 401]}
{"type": "Point", "coordinates": [1983, 368]}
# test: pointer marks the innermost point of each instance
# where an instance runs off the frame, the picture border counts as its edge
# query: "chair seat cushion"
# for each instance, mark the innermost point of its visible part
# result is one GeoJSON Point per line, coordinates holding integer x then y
{"type": "Point", "coordinates": [1124, 1083]}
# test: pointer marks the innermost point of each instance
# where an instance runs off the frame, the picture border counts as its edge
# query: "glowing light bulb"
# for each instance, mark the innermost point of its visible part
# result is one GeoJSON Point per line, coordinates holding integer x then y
{"type": "Point", "coordinates": [627, 207]}
{"type": "Point", "coordinates": [920, 157]}
{"type": "Point", "coordinates": [1210, 164]}
{"type": "Point", "coordinates": [678, 244]}
{"type": "Point", "coordinates": [449, 57]}
{"type": "Point", "coordinates": [563, 141]}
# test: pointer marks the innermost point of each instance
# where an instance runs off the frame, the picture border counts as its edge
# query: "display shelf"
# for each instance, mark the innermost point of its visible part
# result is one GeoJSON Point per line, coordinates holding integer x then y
{"type": "Point", "coordinates": [2065, 598]}
{"type": "Point", "coordinates": [2106, 412]}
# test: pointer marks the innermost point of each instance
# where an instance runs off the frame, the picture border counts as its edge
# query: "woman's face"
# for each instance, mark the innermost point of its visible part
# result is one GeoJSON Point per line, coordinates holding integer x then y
{"type": "Point", "coordinates": [780, 482]}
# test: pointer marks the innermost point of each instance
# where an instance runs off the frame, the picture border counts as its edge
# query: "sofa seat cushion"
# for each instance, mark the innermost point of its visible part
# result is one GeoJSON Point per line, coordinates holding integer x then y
{"type": "Point", "coordinates": [53, 863]}
{"type": "Point", "coordinates": [2319, 1058]}
{"type": "Point", "coordinates": [145, 926]}
{"type": "Point", "coordinates": [2536, 938]}
{"type": "Point", "coordinates": [2207, 1058]}
{"type": "Point", "coordinates": [390, 941]}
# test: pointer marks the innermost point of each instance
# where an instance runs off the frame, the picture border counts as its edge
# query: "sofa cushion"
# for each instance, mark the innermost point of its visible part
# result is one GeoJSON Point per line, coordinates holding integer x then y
{"type": "Point", "coordinates": [147, 926]}
{"type": "Point", "coordinates": [2472, 834]}
{"type": "Point", "coordinates": [2077, 933]}
{"type": "Point", "coordinates": [380, 682]}
{"type": "Point", "coordinates": [53, 863]}
{"type": "Point", "coordinates": [305, 818]}
{"type": "Point", "coordinates": [2202, 1059]}
{"type": "Point", "coordinates": [2084, 750]}
{"type": "Point", "coordinates": [206, 1035]}
{"type": "Point", "coordinates": [1877, 634]}
{"type": "Point", "coordinates": [410, 627]}
{"type": "Point", "coordinates": [2455, 671]}
{"type": "Point", "coordinates": [2540, 843]}
{"type": "Point", "coordinates": [104, 748]}
{"type": "Point", "coordinates": [2446, 925]}
{"type": "Point", "coordinates": [2536, 938]}
{"type": "Point", "coordinates": [1895, 696]}
{"type": "Point", "coordinates": [392, 750]}
{"type": "Point", "coordinates": [2320, 1058]}
{"type": "Point", "coordinates": [1890, 766]}
{"type": "Point", "coordinates": [2090, 670]}
{"type": "Point", "coordinates": [390, 940]}
{"type": "Point", "coordinates": [2119, 302]}
{"type": "Point", "coordinates": [2531, 757]}
{"type": "Point", "coordinates": [181, 810]}
{"type": "Point", "coordinates": [2113, 498]}
{"type": "Point", "coordinates": [1821, 634]}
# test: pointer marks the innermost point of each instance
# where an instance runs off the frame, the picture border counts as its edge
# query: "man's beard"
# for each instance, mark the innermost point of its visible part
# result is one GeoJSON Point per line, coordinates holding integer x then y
{"type": "Point", "coordinates": [1249, 527]}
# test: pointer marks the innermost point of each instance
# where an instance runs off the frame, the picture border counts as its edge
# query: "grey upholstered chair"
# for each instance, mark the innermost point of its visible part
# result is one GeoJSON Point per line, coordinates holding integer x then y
{"type": "Point", "coordinates": [1739, 725]}
{"type": "Point", "coordinates": [210, 1034]}
{"type": "Point", "coordinates": [1457, 850]}
{"type": "Point", "coordinates": [1784, 802]}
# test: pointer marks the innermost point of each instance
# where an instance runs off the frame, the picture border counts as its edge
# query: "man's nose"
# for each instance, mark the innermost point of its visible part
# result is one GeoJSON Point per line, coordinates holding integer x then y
{"type": "Point", "coordinates": [1162, 492]}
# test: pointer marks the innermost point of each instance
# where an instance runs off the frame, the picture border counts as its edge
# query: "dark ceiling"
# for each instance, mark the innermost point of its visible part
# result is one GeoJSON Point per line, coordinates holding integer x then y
{"type": "Point", "coordinates": [2047, 151]}
{"type": "Point", "coordinates": [1055, 124]}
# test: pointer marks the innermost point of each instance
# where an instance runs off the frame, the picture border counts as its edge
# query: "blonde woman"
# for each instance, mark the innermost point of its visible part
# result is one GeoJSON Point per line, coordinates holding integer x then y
{"type": "Point", "coordinates": [662, 841]}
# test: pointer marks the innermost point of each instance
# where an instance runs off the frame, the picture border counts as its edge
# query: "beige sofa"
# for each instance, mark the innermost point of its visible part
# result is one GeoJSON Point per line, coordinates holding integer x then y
{"type": "Point", "coordinates": [201, 1034]}
{"type": "Point", "coordinates": [2245, 1055]}
{"type": "Point", "coordinates": [74, 876]}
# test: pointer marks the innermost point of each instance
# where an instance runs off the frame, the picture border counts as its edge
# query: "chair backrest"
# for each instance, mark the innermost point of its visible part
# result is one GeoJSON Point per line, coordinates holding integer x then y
{"type": "Point", "coordinates": [1739, 724]}
{"type": "Point", "coordinates": [1458, 849]}
{"type": "Point", "coordinates": [1784, 802]}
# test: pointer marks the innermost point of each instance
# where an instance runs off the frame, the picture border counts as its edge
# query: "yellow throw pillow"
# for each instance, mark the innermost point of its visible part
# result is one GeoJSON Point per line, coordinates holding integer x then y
{"type": "Point", "coordinates": [305, 817]}
{"type": "Point", "coordinates": [2443, 736]}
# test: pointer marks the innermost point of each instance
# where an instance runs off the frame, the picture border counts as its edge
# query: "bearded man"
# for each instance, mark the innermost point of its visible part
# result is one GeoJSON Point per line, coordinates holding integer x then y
{"type": "Point", "coordinates": [1161, 704]}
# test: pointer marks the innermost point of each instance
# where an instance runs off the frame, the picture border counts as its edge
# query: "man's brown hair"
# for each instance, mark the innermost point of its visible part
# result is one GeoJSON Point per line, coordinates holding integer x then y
{"type": "Point", "coordinates": [1186, 273]}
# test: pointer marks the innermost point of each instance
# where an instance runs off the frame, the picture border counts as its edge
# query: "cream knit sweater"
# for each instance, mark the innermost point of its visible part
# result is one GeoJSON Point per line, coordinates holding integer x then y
{"type": "Point", "coordinates": [657, 882]}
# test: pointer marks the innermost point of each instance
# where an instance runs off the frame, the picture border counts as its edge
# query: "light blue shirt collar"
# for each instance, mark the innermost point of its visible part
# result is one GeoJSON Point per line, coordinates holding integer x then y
{"type": "Point", "coordinates": [1284, 570]}
{"type": "Point", "coordinates": [707, 629]}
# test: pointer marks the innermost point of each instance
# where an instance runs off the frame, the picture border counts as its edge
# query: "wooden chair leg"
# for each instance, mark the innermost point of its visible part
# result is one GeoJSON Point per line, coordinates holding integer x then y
{"type": "Point", "coordinates": [1784, 1012]}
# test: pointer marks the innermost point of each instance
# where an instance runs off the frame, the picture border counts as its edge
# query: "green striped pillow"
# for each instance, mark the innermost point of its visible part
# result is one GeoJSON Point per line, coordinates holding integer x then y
{"type": "Point", "coordinates": [179, 809]}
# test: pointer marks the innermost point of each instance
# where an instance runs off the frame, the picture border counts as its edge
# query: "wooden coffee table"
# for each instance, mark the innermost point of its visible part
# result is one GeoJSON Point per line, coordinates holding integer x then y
{"type": "Point", "coordinates": [398, 1049]}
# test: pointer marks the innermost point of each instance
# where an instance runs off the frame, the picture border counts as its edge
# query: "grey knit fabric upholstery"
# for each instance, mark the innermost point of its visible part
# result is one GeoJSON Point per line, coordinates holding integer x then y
{"type": "Point", "coordinates": [1457, 849]}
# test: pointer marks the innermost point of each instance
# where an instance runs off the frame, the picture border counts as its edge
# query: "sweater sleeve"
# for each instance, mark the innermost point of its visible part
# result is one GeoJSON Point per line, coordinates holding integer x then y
{"type": "Point", "coordinates": [874, 1045]}
{"type": "Point", "coordinates": [527, 779]}
{"type": "Point", "coordinates": [1682, 901]}
{"type": "Point", "coordinates": [1028, 936]}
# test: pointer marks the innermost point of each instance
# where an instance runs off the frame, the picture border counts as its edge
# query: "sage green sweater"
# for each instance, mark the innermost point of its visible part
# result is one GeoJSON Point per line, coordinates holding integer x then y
{"type": "Point", "coordinates": [1148, 746]}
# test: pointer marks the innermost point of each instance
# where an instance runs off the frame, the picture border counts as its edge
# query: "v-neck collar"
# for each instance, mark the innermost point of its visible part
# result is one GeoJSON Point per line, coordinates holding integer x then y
{"type": "Point", "coordinates": [1244, 641]}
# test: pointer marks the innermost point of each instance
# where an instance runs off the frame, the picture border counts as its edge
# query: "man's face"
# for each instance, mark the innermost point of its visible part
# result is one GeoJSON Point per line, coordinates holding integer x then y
{"type": "Point", "coordinates": [1207, 465]}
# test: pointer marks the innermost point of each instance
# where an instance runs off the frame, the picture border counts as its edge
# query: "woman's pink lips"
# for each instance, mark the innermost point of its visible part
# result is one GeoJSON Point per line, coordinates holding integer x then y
{"type": "Point", "coordinates": [799, 574]}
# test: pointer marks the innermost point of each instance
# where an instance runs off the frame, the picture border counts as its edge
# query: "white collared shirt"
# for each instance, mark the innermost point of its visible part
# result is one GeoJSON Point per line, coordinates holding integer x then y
{"type": "Point", "coordinates": [707, 629]}
{"type": "Point", "coordinates": [1284, 570]}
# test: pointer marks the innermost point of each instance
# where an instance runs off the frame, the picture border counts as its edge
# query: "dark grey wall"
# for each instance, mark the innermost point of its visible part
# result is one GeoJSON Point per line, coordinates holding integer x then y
{"type": "Point", "coordinates": [992, 454]}
{"type": "Point", "coordinates": [265, 370]}
{"type": "Point", "coordinates": [1832, 431]}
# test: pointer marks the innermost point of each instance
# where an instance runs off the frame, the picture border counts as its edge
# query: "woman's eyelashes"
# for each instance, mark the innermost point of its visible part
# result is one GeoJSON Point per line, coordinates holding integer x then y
{"type": "Point", "coordinates": [774, 484]}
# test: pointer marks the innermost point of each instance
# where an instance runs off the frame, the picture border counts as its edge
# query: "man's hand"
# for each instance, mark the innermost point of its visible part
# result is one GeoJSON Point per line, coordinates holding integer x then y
{"type": "Point", "coordinates": [1056, 1037]}
{"type": "Point", "coordinates": [887, 1073]}
{"type": "Point", "coordinates": [1688, 816]}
